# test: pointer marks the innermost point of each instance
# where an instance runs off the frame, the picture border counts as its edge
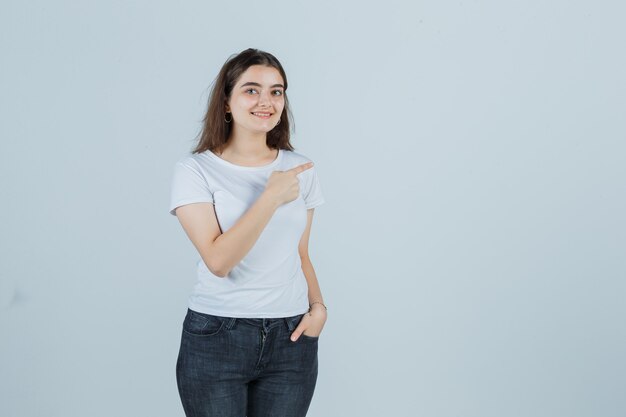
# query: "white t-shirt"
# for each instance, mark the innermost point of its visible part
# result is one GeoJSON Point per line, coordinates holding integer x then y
{"type": "Point", "coordinates": [268, 282]}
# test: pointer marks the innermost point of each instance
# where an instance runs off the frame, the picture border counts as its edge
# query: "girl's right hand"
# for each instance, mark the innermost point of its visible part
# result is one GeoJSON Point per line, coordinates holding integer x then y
{"type": "Point", "coordinates": [284, 186]}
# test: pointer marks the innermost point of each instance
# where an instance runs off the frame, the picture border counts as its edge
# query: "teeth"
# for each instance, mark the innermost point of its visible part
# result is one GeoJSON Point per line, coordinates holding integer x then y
{"type": "Point", "coordinates": [261, 114]}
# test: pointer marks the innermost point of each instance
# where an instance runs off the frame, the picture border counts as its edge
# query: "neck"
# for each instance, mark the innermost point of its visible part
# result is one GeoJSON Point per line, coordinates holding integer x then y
{"type": "Point", "coordinates": [247, 146]}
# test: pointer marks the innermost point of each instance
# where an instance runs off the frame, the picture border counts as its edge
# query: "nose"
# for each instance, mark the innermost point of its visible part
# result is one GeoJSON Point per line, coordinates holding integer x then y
{"type": "Point", "coordinates": [264, 99]}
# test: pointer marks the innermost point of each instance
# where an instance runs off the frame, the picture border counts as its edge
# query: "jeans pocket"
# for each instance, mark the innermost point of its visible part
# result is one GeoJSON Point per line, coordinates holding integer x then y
{"type": "Point", "coordinates": [305, 338]}
{"type": "Point", "coordinates": [309, 338]}
{"type": "Point", "coordinates": [202, 324]}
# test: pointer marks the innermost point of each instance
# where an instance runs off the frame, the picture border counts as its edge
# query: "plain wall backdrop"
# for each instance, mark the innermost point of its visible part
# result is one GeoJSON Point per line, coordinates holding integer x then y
{"type": "Point", "coordinates": [472, 154]}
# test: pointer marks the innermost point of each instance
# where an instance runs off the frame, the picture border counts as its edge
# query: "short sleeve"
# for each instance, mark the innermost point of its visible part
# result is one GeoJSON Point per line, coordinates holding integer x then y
{"type": "Point", "coordinates": [188, 186]}
{"type": "Point", "coordinates": [313, 192]}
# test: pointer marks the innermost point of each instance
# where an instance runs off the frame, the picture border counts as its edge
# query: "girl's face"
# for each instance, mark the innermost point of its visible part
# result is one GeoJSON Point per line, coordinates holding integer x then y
{"type": "Point", "coordinates": [257, 100]}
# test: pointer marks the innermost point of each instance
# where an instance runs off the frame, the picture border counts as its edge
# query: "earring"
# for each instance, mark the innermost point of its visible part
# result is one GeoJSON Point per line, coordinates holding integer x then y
{"type": "Point", "coordinates": [228, 121]}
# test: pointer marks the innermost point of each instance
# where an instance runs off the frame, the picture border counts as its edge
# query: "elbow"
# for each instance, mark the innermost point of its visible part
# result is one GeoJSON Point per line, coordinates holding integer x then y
{"type": "Point", "coordinates": [215, 268]}
{"type": "Point", "coordinates": [220, 273]}
{"type": "Point", "coordinates": [218, 270]}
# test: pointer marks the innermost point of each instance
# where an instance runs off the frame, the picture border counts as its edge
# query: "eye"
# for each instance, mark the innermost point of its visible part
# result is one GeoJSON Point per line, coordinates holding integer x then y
{"type": "Point", "coordinates": [250, 89]}
{"type": "Point", "coordinates": [280, 93]}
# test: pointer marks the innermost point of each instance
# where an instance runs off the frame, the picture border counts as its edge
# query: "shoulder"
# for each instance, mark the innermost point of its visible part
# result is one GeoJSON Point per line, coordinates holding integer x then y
{"type": "Point", "coordinates": [194, 160]}
{"type": "Point", "coordinates": [296, 158]}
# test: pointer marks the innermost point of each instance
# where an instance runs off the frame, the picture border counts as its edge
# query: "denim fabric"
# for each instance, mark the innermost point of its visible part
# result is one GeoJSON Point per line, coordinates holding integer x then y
{"type": "Point", "coordinates": [238, 367]}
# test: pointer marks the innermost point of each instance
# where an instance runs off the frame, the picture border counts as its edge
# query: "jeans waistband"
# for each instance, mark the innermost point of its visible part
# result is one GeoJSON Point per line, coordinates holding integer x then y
{"type": "Point", "coordinates": [265, 323]}
{"type": "Point", "coordinates": [269, 323]}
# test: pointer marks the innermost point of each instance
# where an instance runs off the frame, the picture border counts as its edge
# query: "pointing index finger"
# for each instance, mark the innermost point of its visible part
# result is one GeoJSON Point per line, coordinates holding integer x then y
{"type": "Point", "coordinates": [301, 168]}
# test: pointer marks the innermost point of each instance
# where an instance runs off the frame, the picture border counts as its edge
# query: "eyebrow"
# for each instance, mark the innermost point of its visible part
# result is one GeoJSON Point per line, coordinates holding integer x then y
{"type": "Point", "coordinates": [259, 85]}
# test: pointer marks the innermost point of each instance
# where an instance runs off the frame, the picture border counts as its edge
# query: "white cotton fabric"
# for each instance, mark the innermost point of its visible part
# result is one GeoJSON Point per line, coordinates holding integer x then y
{"type": "Point", "coordinates": [269, 281]}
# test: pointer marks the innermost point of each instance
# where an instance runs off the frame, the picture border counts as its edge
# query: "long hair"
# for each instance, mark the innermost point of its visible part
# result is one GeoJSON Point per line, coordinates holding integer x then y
{"type": "Point", "coordinates": [215, 131]}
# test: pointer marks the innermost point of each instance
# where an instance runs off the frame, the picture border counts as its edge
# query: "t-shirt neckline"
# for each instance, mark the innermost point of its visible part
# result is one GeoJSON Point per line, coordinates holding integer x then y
{"type": "Point", "coordinates": [245, 168]}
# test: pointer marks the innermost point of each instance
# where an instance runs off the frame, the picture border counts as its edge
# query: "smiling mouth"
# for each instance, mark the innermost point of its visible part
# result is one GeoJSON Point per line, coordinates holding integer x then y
{"type": "Point", "coordinates": [264, 116]}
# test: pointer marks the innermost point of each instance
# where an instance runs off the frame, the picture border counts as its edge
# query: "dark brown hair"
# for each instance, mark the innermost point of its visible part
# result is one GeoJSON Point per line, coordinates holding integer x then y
{"type": "Point", "coordinates": [215, 130]}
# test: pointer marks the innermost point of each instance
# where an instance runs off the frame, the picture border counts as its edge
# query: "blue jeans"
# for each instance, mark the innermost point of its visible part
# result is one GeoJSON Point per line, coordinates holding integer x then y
{"type": "Point", "coordinates": [237, 367]}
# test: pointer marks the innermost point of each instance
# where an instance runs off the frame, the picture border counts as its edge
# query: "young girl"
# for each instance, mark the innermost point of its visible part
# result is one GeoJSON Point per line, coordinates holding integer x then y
{"type": "Point", "coordinates": [245, 199]}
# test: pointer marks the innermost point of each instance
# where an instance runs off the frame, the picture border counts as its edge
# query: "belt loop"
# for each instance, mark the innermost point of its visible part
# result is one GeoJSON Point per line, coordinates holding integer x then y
{"type": "Point", "coordinates": [230, 322]}
{"type": "Point", "coordinates": [289, 321]}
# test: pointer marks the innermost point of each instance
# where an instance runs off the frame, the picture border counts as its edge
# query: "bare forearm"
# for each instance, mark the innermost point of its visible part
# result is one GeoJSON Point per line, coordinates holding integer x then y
{"type": "Point", "coordinates": [315, 293]}
{"type": "Point", "coordinates": [231, 247]}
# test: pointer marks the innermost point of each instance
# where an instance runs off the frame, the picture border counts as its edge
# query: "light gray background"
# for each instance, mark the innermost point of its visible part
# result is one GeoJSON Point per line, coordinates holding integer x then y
{"type": "Point", "coordinates": [472, 155]}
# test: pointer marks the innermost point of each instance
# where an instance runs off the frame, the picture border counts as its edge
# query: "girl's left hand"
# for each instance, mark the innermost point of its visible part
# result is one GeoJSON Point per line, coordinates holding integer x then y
{"type": "Point", "coordinates": [312, 322]}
